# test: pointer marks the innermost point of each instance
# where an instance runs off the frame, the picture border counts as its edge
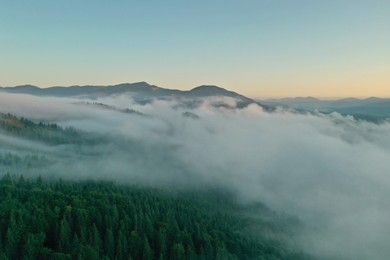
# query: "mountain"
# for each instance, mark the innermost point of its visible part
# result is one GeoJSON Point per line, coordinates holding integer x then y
{"type": "Point", "coordinates": [81, 90]}
{"type": "Point", "coordinates": [372, 109]}
{"type": "Point", "coordinates": [141, 92]}
{"type": "Point", "coordinates": [24, 89]}
{"type": "Point", "coordinates": [210, 90]}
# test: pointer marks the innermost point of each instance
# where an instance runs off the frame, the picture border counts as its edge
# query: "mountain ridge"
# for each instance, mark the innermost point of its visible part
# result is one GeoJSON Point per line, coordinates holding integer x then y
{"type": "Point", "coordinates": [142, 91]}
{"type": "Point", "coordinates": [373, 109]}
{"type": "Point", "coordinates": [136, 86]}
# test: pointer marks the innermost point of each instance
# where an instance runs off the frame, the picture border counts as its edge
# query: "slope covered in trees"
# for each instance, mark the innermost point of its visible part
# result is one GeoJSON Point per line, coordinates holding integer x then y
{"type": "Point", "coordinates": [42, 219]}
{"type": "Point", "coordinates": [49, 133]}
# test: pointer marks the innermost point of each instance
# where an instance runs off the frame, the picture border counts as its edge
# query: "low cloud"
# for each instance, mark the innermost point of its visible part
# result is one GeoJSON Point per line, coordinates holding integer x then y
{"type": "Point", "coordinates": [331, 171]}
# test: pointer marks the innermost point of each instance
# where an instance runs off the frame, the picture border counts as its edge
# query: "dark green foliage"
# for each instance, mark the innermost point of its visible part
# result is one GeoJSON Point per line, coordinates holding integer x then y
{"type": "Point", "coordinates": [27, 161]}
{"type": "Point", "coordinates": [113, 108]}
{"type": "Point", "coordinates": [88, 220]}
{"type": "Point", "coordinates": [44, 132]}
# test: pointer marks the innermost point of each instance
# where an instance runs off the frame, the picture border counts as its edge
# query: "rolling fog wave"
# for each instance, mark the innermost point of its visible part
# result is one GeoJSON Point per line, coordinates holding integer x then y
{"type": "Point", "coordinates": [330, 171]}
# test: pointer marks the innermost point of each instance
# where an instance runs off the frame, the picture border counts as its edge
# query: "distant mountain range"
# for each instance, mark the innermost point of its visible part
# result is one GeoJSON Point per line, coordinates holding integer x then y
{"type": "Point", "coordinates": [372, 109]}
{"type": "Point", "coordinates": [142, 92]}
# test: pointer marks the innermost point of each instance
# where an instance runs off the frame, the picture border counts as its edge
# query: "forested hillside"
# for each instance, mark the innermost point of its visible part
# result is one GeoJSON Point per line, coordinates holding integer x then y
{"type": "Point", "coordinates": [50, 218]}
{"type": "Point", "coordinates": [41, 219]}
{"type": "Point", "coordinates": [49, 133]}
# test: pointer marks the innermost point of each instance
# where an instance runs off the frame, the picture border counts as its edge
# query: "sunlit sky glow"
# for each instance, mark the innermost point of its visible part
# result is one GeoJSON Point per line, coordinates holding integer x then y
{"type": "Point", "coordinates": [260, 48]}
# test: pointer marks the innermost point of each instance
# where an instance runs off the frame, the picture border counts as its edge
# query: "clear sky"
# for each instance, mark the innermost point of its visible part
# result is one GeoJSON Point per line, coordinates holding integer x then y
{"type": "Point", "coordinates": [260, 48]}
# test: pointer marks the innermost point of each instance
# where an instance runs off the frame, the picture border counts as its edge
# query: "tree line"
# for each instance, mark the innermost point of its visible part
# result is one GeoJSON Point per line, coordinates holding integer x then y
{"type": "Point", "coordinates": [57, 219]}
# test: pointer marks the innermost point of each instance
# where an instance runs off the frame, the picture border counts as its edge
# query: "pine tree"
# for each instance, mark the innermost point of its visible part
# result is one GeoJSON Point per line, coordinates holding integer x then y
{"type": "Point", "coordinates": [96, 241]}
{"type": "Point", "coordinates": [148, 252]}
{"type": "Point", "coordinates": [109, 244]}
{"type": "Point", "coordinates": [65, 236]}
{"type": "Point", "coordinates": [13, 238]}
{"type": "Point", "coordinates": [178, 252]}
{"type": "Point", "coordinates": [135, 244]}
{"type": "Point", "coordinates": [33, 246]}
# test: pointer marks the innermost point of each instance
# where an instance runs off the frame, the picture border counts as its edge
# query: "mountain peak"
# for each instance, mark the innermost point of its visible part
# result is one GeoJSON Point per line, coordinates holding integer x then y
{"type": "Point", "coordinates": [211, 90]}
{"type": "Point", "coordinates": [141, 83]}
{"type": "Point", "coordinates": [26, 87]}
{"type": "Point", "coordinates": [207, 88]}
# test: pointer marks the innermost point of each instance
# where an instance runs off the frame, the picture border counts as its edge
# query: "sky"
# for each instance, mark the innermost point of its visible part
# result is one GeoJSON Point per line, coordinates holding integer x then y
{"type": "Point", "coordinates": [259, 48]}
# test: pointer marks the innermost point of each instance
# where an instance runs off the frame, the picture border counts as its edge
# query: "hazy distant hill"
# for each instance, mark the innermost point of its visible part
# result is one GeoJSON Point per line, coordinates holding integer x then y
{"type": "Point", "coordinates": [373, 109]}
{"type": "Point", "coordinates": [141, 91]}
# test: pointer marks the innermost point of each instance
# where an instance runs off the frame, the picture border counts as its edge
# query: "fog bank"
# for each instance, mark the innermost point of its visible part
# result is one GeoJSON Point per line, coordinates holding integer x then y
{"type": "Point", "coordinates": [330, 171]}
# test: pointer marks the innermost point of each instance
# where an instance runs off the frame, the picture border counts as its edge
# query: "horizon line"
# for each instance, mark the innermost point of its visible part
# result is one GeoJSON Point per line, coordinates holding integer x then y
{"type": "Point", "coordinates": [266, 97]}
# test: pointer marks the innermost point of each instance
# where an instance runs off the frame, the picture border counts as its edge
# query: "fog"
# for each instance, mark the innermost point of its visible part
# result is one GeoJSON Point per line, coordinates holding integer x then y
{"type": "Point", "coordinates": [330, 171]}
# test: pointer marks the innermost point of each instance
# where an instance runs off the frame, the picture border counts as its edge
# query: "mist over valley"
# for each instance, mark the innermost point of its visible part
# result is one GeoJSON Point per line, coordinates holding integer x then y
{"type": "Point", "coordinates": [326, 174]}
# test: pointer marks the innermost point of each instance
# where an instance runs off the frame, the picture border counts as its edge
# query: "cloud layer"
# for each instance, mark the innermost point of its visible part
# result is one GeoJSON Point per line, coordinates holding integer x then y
{"type": "Point", "coordinates": [330, 171]}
